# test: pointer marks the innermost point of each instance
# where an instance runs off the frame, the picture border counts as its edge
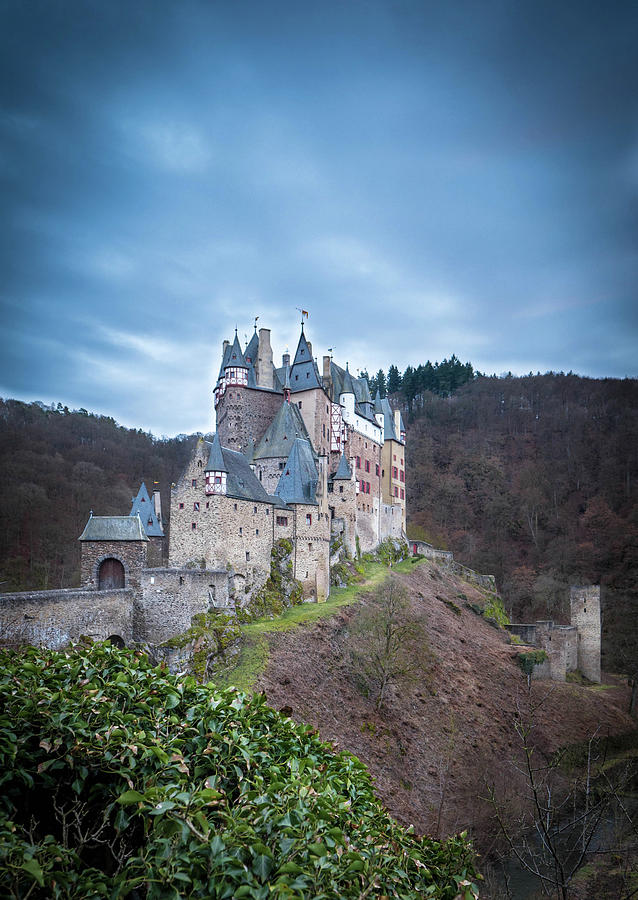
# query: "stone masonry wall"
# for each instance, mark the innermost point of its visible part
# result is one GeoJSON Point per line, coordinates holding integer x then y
{"type": "Point", "coordinates": [54, 618]}
{"type": "Point", "coordinates": [244, 413]}
{"type": "Point", "coordinates": [269, 471]}
{"type": "Point", "coordinates": [390, 521]}
{"type": "Point", "coordinates": [171, 597]}
{"type": "Point", "coordinates": [314, 407]}
{"type": "Point", "coordinates": [132, 555]}
{"type": "Point", "coordinates": [344, 503]}
{"type": "Point", "coordinates": [227, 531]}
{"type": "Point", "coordinates": [311, 551]}
{"type": "Point", "coordinates": [585, 615]}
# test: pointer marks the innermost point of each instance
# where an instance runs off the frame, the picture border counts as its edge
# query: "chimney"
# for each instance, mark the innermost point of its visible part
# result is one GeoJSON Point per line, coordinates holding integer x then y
{"type": "Point", "coordinates": [397, 423]}
{"type": "Point", "coordinates": [326, 367]}
{"type": "Point", "coordinates": [285, 360]}
{"type": "Point", "coordinates": [264, 359]}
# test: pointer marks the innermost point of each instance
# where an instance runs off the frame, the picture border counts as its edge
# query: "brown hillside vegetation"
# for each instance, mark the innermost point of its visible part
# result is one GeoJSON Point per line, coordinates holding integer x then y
{"type": "Point", "coordinates": [432, 744]}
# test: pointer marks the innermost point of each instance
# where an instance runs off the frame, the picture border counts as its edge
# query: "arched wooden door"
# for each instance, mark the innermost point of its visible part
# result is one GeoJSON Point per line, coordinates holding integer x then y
{"type": "Point", "coordinates": [110, 575]}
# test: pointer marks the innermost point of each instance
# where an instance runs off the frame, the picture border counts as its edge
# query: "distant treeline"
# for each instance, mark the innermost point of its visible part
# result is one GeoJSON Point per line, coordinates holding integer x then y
{"type": "Point", "coordinates": [440, 378]}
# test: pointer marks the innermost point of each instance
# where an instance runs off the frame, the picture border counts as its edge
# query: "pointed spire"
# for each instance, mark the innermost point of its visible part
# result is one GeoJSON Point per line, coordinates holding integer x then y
{"type": "Point", "coordinates": [348, 383]}
{"type": "Point", "coordinates": [216, 457]}
{"type": "Point", "coordinates": [236, 357]}
{"type": "Point", "coordinates": [344, 472]}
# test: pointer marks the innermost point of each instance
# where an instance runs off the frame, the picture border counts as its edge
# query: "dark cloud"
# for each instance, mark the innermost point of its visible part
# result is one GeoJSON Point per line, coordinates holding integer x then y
{"type": "Point", "coordinates": [427, 178]}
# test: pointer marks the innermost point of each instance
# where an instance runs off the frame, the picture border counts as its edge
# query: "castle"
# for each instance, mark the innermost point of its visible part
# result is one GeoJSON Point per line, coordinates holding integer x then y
{"type": "Point", "coordinates": [297, 454]}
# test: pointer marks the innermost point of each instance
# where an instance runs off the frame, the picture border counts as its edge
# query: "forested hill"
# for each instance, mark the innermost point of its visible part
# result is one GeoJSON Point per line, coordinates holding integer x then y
{"type": "Point", "coordinates": [535, 480]}
{"type": "Point", "coordinates": [56, 466]}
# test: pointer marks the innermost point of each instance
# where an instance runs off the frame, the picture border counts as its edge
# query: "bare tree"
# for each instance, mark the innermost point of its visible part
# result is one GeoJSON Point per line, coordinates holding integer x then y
{"type": "Point", "coordinates": [387, 643]}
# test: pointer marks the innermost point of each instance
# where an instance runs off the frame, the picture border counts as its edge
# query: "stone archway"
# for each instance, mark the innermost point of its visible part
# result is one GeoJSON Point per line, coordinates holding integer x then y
{"type": "Point", "coordinates": [110, 574]}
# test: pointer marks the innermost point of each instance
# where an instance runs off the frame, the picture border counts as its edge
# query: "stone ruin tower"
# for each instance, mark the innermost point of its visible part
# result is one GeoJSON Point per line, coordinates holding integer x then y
{"type": "Point", "coordinates": [585, 615]}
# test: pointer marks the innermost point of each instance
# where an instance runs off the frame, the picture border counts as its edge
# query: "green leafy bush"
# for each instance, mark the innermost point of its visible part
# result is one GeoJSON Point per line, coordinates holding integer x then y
{"type": "Point", "coordinates": [529, 659]}
{"type": "Point", "coordinates": [119, 780]}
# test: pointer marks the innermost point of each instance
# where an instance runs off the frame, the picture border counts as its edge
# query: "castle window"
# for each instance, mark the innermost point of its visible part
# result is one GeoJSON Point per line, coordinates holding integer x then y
{"type": "Point", "coordinates": [402, 494]}
{"type": "Point", "coordinates": [296, 378]}
{"type": "Point", "coordinates": [196, 506]}
{"type": "Point", "coordinates": [396, 491]}
{"type": "Point", "coordinates": [199, 463]}
{"type": "Point", "coordinates": [307, 374]}
{"type": "Point", "coordinates": [394, 457]}
{"type": "Point", "coordinates": [377, 469]}
{"type": "Point", "coordinates": [282, 520]}
{"type": "Point", "coordinates": [281, 465]}
{"type": "Point", "coordinates": [181, 506]}
{"type": "Point", "coordinates": [367, 465]}
{"type": "Point", "coordinates": [308, 519]}
{"type": "Point", "coordinates": [235, 507]}
{"type": "Point", "coordinates": [247, 555]}
{"type": "Point", "coordinates": [401, 462]}
{"type": "Point", "coordinates": [341, 489]}
{"type": "Point", "coordinates": [194, 482]}
{"type": "Point", "coordinates": [358, 462]}
{"type": "Point", "coordinates": [218, 479]}
{"type": "Point", "coordinates": [256, 530]}
{"type": "Point", "coordinates": [402, 476]}
{"type": "Point", "coordinates": [207, 504]}
{"type": "Point", "coordinates": [267, 511]}
{"type": "Point", "coordinates": [383, 473]}
{"type": "Point", "coordinates": [300, 404]}
{"type": "Point", "coordinates": [241, 530]}
{"type": "Point", "coordinates": [395, 472]}
{"type": "Point", "coordinates": [254, 510]}
{"type": "Point", "coordinates": [368, 487]}
{"type": "Point", "coordinates": [309, 546]}
{"type": "Point", "coordinates": [193, 526]}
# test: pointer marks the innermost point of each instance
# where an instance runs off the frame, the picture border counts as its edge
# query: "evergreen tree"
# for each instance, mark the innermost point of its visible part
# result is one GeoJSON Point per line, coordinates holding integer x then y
{"type": "Point", "coordinates": [394, 380]}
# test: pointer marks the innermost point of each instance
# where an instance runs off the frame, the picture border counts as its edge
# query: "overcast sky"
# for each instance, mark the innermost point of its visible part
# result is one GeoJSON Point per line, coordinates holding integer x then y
{"type": "Point", "coordinates": [424, 178]}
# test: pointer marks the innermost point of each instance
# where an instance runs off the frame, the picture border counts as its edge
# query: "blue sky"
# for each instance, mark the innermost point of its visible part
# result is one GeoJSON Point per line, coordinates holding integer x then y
{"type": "Point", "coordinates": [423, 178]}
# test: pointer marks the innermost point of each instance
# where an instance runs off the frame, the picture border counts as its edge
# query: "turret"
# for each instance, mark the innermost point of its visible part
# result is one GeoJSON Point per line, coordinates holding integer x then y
{"type": "Point", "coordinates": [216, 472]}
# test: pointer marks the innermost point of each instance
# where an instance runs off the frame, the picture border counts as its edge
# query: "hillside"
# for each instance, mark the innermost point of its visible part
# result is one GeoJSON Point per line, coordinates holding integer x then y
{"type": "Point", "coordinates": [433, 744]}
{"type": "Point", "coordinates": [534, 480]}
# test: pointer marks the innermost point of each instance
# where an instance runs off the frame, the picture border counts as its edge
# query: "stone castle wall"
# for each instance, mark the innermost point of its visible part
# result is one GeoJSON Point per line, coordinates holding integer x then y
{"type": "Point", "coordinates": [171, 597]}
{"type": "Point", "coordinates": [244, 414]}
{"type": "Point", "coordinates": [55, 618]}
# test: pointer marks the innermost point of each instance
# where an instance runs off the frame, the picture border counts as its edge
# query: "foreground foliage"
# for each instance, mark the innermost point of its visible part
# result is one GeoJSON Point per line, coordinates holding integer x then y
{"type": "Point", "coordinates": [119, 780]}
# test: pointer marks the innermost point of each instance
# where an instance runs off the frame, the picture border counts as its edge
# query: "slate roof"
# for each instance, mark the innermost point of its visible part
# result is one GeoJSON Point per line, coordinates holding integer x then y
{"type": "Point", "coordinates": [347, 384]}
{"type": "Point", "coordinates": [383, 406]}
{"type": "Point", "coordinates": [215, 457]}
{"type": "Point", "coordinates": [143, 505]}
{"type": "Point", "coordinates": [252, 349]}
{"type": "Point", "coordinates": [236, 357]}
{"type": "Point", "coordinates": [241, 481]}
{"type": "Point", "coordinates": [304, 374]}
{"type": "Point", "coordinates": [225, 362]}
{"type": "Point", "coordinates": [113, 528]}
{"type": "Point", "coordinates": [298, 482]}
{"type": "Point", "coordinates": [344, 472]}
{"type": "Point", "coordinates": [285, 428]}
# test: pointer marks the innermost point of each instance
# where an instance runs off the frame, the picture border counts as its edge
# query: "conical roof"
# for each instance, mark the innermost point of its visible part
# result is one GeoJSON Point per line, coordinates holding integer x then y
{"type": "Point", "coordinates": [344, 472]}
{"type": "Point", "coordinates": [285, 428]}
{"type": "Point", "coordinates": [348, 384]}
{"type": "Point", "coordinates": [298, 482]}
{"type": "Point", "coordinates": [215, 457]}
{"type": "Point", "coordinates": [236, 356]}
{"type": "Point", "coordinates": [303, 374]}
{"type": "Point", "coordinates": [303, 353]}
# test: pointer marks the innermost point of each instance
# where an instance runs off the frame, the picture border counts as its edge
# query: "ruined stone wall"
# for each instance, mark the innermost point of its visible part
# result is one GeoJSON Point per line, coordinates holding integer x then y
{"type": "Point", "coordinates": [55, 618]}
{"type": "Point", "coordinates": [527, 633]}
{"type": "Point", "coordinates": [585, 615]}
{"type": "Point", "coordinates": [244, 414]}
{"type": "Point", "coordinates": [171, 597]}
{"type": "Point", "coordinates": [132, 555]}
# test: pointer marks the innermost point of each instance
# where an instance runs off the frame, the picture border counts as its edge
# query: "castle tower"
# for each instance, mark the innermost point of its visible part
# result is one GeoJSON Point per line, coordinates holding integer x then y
{"type": "Point", "coordinates": [585, 615]}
